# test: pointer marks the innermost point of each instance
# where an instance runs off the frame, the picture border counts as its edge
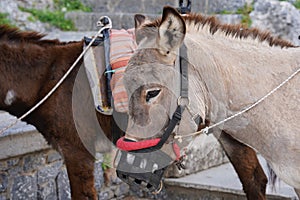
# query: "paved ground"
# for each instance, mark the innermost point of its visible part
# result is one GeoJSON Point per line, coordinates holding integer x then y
{"type": "Point", "coordinates": [224, 179]}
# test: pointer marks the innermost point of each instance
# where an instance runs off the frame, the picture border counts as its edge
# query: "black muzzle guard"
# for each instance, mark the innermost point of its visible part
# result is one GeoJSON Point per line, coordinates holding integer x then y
{"type": "Point", "coordinates": [142, 171]}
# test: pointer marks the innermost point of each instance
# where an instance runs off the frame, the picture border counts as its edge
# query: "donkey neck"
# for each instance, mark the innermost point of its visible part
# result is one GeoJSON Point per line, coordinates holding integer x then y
{"type": "Point", "coordinates": [29, 70]}
{"type": "Point", "coordinates": [237, 72]}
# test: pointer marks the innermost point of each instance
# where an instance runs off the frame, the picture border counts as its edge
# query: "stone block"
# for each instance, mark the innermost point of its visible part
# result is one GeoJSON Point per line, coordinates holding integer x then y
{"type": "Point", "coordinates": [53, 156]}
{"type": "Point", "coordinates": [279, 17]}
{"type": "Point", "coordinates": [20, 139]}
{"type": "Point", "coordinates": [3, 197]}
{"type": "Point", "coordinates": [47, 191]}
{"type": "Point", "coordinates": [98, 173]}
{"type": "Point", "coordinates": [32, 162]}
{"type": "Point", "coordinates": [106, 194]}
{"type": "Point", "coordinates": [49, 172]}
{"type": "Point", "coordinates": [24, 187]}
{"type": "Point", "coordinates": [98, 6]}
{"type": "Point", "coordinates": [217, 6]}
{"type": "Point", "coordinates": [129, 6]}
{"type": "Point", "coordinates": [155, 7]}
{"type": "Point", "coordinates": [12, 162]}
{"type": "Point", "coordinates": [230, 19]}
{"type": "Point", "coordinates": [122, 189]}
{"type": "Point", "coordinates": [87, 21]}
{"type": "Point", "coordinates": [3, 182]}
{"type": "Point", "coordinates": [64, 192]}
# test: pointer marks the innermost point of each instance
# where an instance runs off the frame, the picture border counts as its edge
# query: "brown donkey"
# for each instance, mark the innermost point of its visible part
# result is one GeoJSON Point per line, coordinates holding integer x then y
{"type": "Point", "coordinates": [30, 66]}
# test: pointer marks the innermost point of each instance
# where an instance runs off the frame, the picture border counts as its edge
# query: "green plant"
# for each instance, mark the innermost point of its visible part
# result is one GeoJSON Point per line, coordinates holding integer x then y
{"type": "Point", "coordinates": [297, 4]}
{"type": "Point", "coordinates": [226, 12]}
{"type": "Point", "coordinates": [55, 18]}
{"type": "Point", "coordinates": [4, 19]}
{"type": "Point", "coordinates": [70, 5]}
{"type": "Point", "coordinates": [245, 12]}
{"type": "Point", "coordinates": [106, 161]}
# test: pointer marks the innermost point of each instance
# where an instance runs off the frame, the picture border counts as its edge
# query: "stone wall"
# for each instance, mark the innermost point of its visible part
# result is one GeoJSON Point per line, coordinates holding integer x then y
{"type": "Point", "coordinates": [39, 175]}
{"type": "Point", "coordinates": [279, 17]}
{"type": "Point", "coordinates": [122, 11]}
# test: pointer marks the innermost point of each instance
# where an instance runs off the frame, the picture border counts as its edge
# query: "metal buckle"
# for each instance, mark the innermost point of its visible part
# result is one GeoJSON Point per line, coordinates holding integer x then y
{"type": "Point", "coordinates": [180, 101]}
{"type": "Point", "coordinates": [184, 9]}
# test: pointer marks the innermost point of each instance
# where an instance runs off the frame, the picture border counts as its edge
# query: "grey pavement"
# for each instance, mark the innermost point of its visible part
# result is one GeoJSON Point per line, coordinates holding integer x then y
{"type": "Point", "coordinates": [223, 178]}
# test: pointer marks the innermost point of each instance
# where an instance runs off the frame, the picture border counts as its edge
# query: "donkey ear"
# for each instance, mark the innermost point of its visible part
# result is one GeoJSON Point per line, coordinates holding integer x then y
{"type": "Point", "coordinates": [171, 31]}
{"type": "Point", "coordinates": [139, 20]}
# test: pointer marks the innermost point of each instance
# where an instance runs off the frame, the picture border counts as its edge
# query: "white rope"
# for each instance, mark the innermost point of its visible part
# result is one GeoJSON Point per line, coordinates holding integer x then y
{"type": "Point", "coordinates": [108, 26]}
{"type": "Point", "coordinates": [206, 129]}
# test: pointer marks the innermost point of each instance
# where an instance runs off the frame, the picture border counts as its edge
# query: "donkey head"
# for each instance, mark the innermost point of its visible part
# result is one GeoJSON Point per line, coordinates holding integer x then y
{"type": "Point", "coordinates": [152, 80]}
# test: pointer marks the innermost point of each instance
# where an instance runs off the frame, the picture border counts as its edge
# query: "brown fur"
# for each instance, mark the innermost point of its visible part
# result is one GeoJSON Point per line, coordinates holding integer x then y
{"type": "Point", "coordinates": [32, 65]}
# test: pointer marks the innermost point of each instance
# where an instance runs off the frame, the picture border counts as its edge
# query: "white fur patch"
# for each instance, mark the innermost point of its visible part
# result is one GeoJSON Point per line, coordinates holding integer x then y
{"type": "Point", "coordinates": [10, 97]}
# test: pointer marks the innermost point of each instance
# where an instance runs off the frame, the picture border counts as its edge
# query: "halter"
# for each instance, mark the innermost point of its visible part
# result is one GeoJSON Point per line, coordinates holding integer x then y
{"type": "Point", "coordinates": [148, 162]}
{"type": "Point", "coordinates": [182, 103]}
{"type": "Point", "coordinates": [136, 160]}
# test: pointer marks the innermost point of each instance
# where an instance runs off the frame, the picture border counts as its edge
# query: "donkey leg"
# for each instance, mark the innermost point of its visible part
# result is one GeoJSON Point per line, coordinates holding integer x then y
{"type": "Point", "coordinates": [80, 168]}
{"type": "Point", "coordinates": [247, 166]}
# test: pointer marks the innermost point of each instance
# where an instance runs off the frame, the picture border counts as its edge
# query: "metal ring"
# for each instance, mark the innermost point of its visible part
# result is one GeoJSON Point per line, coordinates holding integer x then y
{"type": "Point", "coordinates": [160, 188]}
{"type": "Point", "coordinates": [179, 101]}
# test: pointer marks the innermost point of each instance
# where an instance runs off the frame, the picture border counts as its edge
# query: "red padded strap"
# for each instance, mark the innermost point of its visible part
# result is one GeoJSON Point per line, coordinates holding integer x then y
{"type": "Point", "coordinates": [176, 150]}
{"type": "Point", "coordinates": [131, 146]}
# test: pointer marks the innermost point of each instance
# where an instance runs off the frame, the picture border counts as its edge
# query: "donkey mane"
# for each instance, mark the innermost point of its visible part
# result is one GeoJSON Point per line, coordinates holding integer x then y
{"type": "Point", "coordinates": [234, 30]}
{"type": "Point", "coordinates": [10, 34]}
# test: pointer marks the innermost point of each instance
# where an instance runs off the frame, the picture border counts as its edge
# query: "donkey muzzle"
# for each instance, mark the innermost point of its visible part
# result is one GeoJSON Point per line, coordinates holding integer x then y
{"type": "Point", "coordinates": [142, 171]}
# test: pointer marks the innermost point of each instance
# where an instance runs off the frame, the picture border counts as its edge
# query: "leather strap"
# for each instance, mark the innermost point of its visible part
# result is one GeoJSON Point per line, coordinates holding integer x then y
{"type": "Point", "coordinates": [184, 89]}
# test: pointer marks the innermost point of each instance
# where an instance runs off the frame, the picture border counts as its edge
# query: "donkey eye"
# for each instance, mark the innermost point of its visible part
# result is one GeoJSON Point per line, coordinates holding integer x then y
{"type": "Point", "coordinates": [151, 94]}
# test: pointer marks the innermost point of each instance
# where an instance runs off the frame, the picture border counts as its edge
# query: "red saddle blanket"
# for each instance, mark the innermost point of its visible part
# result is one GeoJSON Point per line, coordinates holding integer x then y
{"type": "Point", "coordinates": [122, 46]}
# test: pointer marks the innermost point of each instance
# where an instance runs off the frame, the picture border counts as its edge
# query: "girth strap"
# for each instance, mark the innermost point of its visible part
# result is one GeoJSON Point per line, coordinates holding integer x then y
{"type": "Point", "coordinates": [107, 64]}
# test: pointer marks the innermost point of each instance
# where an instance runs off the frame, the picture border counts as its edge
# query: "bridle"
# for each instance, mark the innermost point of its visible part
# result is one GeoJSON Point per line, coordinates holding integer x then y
{"type": "Point", "coordinates": [142, 164]}
{"type": "Point", "coordinates": [183, 102]}
{"type": "Point", "coordinates": [148, 153]}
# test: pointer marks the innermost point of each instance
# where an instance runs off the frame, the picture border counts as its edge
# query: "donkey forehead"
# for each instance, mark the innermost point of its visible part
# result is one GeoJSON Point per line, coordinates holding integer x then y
{"type": "Point", "coordinates": [149, 74]}
{"type": "Point", "coordinates": [144, 55]}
